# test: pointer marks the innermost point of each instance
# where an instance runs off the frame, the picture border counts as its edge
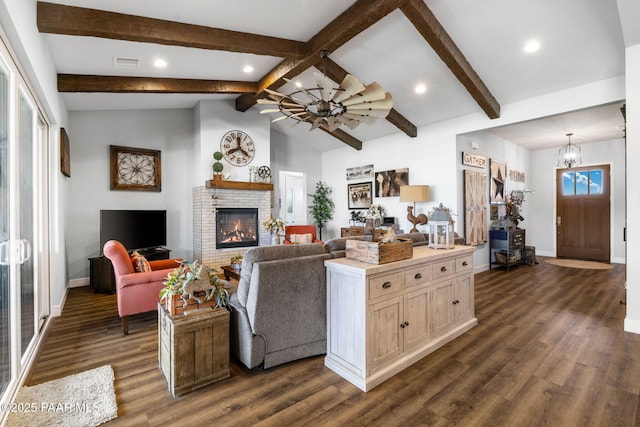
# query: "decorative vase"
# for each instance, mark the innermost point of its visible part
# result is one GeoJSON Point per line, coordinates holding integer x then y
{"type": "Point", "coordinates": [275, 239]}
{"type": "Point", "coordinates": [217, 176]}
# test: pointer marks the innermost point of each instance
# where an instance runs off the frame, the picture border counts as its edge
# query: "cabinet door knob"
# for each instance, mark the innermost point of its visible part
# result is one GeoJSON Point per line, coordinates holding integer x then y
{"type": "Point", "coordinates": [406, 323]}
{"type": "Point", "coordinates": [464, 263]}
{"type": "Point", "coordinates": [402, 325]}
{"type": "Point", "coordinates": [386, 285]}
{"type": "Point", "coordinates": [418, 276]}
{"type": "Point", "coordinates": [443, 269]}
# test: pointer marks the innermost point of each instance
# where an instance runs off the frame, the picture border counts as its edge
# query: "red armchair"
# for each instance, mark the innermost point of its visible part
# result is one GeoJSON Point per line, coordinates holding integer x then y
{"type": "Point", "coordinates": [299, 230]}
{"type": "Point", "coordinates": [136, 292]}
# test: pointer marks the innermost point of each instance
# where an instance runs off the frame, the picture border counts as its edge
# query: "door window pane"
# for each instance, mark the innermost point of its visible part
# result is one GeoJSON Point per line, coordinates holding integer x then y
{"type": "Point", "coordinates": [568, 188]}
{"type": "Point", "coordinates": [582, 182]}
{"type": "Point", "coordinates": [595, 181]}
{"type": "Point", "coordinates": [5, 336]}
{"type": "Point", "coordinates": [26, 137]}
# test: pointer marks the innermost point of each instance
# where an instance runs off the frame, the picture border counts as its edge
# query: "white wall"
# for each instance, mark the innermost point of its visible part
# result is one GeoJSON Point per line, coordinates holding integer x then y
{"type": "Point", "coordinates": [91, 133]}
{"type": "Point", "coordinates": [632, 61]}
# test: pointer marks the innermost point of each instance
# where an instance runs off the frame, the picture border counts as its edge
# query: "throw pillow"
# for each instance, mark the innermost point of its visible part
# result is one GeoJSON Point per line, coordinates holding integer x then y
{"type": "Point", "coordinates": [301, 238]}
{"type": "Point", "coordinates": [140, 263]}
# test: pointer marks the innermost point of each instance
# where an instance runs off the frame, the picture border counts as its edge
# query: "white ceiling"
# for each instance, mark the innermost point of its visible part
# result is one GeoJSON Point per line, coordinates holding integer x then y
{"type": "Point", "coordinates": [581, 42]}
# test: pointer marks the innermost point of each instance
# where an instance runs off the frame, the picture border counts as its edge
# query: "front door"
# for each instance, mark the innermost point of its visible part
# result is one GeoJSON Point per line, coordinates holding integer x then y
{"type": "Point", "coordinates": [583, 209]}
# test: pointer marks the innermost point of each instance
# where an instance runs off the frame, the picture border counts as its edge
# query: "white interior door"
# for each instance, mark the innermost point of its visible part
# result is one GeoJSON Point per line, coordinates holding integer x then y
{"type": "Point", "coordinates": [293, 200]}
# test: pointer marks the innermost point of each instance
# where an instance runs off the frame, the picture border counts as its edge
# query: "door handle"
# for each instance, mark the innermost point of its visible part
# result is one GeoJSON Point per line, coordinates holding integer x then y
{"type": "Point", "coordinates": [25, 251]}
{"type": "Point", "coordinates": [4, 252]}
{"type": "Point", "coordinates": [558, 221]}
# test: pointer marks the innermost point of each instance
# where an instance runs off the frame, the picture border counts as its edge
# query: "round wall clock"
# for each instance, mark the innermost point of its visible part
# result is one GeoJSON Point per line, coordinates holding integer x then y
{"type": "Point", "coordinates": [237, 148]}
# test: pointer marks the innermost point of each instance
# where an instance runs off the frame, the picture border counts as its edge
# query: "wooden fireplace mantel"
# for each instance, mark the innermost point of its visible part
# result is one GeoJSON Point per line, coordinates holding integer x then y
{"type": "Point", "coordinates": [239, 185]}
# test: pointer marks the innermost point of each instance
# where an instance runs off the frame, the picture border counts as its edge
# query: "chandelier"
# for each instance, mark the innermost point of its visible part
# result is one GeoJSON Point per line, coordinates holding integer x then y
{"type": "Point", "coordinates": [349, 104]}
{"type": "Point", "coordinates": [569, 155]}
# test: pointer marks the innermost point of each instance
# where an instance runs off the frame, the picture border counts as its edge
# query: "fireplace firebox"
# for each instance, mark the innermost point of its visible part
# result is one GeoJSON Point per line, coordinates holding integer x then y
{"type": "Point", "coordinates": [236, 227]}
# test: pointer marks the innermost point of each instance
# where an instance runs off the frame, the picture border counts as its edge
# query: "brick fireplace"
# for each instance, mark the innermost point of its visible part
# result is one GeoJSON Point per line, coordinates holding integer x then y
{"type": "Point", "coordinates": [206, 202]}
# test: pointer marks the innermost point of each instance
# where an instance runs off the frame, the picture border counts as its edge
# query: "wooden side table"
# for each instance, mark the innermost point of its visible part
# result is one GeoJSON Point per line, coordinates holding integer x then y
{"type": "Point", "coordinates": [230, 272]}
{"type": "Point", "coordinates": [193, 349]}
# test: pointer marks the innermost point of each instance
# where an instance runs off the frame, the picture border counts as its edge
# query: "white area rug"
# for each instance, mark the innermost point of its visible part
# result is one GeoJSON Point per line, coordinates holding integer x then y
{"type": "Point", "coordinates": [86, 399]}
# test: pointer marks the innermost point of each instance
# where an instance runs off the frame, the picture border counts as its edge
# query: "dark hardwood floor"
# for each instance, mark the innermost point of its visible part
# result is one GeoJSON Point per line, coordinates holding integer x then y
{"type": "Point", "coordinates": [549, 350]}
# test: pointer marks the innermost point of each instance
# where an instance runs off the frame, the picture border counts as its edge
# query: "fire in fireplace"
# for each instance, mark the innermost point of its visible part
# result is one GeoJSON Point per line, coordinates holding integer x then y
{"type": "Point", "coordinates": [236, 227]}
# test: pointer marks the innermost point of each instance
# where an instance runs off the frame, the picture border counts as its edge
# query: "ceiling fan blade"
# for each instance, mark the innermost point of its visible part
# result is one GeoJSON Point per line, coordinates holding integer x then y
{"type": "Point", "coordinates": [372, 92]}
{"type": "Point", "coordinates": [371, 113]}
{"type": "Point", "coordinates": [350, 86]}
{"type": "Point", "coordinates": [270, 110]}
{"type": "Point", "coordinates": [360, 118]}
{"type": "Point", "coordinates": [382, 104]}
{"type": "Point", "coordinates": [351, 124]}
{"type": "Point", "coordinates": [316, 123]}
{"type": "Point", "coordinates": [277, 119]}
{"type": "Point", "coordinates": [276, 95]}
{"type": "Point", "coordinates": [303, 90]}
{"type": "Point", "coordinates": [325, 84]}
{"type": "Point", "coordinates": [267, 101]}
{"type": "Point", "coordinates": [333, 123]}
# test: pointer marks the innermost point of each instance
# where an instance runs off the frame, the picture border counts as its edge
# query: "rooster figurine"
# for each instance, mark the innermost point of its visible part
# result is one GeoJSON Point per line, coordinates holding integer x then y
{"type": "Point", "coordinates": [420, 219]}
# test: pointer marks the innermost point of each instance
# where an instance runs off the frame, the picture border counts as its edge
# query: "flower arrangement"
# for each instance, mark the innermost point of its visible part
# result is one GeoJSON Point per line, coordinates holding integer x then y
{"type": "Point", "coordinates": [274, 225]}
{"type": "Point", "coordinates": [184, 281]}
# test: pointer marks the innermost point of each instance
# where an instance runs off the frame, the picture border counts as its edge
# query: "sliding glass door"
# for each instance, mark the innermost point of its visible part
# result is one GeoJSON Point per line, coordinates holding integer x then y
{"type": "Point", "coordinates": [23, 219]}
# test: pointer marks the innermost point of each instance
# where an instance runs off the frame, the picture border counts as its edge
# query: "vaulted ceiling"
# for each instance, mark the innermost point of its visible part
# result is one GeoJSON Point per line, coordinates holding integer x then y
{"type": "Point", "coordinates": [469, 54]}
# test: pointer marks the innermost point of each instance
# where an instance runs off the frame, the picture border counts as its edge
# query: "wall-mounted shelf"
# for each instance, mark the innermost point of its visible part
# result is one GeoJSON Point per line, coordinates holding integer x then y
{"type": "Point", "coordinates": [239, 185]}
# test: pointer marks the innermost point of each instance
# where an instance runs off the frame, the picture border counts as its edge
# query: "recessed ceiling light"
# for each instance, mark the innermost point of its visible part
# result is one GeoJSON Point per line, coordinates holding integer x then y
{"type": "Point", "coordinates": [248, 69]}
{"type": "Point", "coordinates": [160, 63]}
{"type": "Point", "coordinates": [531, 46]}
{"type": "Point", "coordinates": [421, 88]}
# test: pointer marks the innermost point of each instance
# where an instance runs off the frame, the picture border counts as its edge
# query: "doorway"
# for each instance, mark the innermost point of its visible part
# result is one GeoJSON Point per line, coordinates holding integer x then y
{"type": "Point", "coordinates": [293, 201]}
{"type": "Point", "coordinates": [583, 223]}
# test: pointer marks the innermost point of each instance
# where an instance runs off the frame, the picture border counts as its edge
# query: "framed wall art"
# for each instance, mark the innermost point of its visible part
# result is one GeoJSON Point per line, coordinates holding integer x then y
{"type": "Point", "coordinates": [65, 155]}
{"type": "Point", "coordinates": [498, 181]}
{"type": "Point", "coordinates": [136, 169]}
{"type": "Point", "coordinates": [360, 195]}
{"type": "Point", "coordinates": [475, 207]}
{"type": "Point", "coordinates": [360, 172]}
{"type": "Point", "coordinates": [388, 183]}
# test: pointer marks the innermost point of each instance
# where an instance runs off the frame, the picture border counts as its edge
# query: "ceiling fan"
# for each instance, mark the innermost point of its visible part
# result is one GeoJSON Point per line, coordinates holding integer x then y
{"type": "Point", "coordinates": [349, 104]}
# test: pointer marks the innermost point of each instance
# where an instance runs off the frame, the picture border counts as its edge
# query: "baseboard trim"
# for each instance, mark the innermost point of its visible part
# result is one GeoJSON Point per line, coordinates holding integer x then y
{"type": "Point", "coordinates": [632, 325]}
{"type": "Point", "coordinates": [56, 310]}
{"type": "Point", "coordinates": [78, 283]}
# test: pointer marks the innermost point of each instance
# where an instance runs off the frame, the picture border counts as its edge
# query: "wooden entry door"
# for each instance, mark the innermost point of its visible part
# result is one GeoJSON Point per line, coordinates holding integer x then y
{"type": "Point", "coordinates": [583, 208]}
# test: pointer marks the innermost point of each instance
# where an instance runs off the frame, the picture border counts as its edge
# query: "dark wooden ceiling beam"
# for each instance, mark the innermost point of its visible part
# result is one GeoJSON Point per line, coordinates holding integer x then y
{"type": "Point", "coordinates": [79, 21]}
{"type": "Point", "coordinates": [119, 84]}
{"type": "Point", "coordinates": [336, 73]}
{"type": "Point", "coordinates": [426, 23]}
{"type": "Point", "coordinates": [357, 18]}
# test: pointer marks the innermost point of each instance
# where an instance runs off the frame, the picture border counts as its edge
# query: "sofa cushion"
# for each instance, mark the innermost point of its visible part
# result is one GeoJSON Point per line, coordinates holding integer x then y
{"type": "Point", "coordinates": [140, 263]}
{"type": "Point", "coordinates": [269, 253]}
{"type": "Point", "coordinates": [302, 239]}
{"type": "Point", "coordinates": [418, 239]}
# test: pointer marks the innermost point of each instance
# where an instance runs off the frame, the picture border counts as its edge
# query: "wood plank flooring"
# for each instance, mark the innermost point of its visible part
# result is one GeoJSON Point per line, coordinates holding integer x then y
{"type": "Point", "coordinates": [549, 350]}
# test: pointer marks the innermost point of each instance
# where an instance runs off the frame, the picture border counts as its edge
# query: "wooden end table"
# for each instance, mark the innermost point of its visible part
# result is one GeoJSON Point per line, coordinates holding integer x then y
{"type": "Point", "coordinates": [230, 272]}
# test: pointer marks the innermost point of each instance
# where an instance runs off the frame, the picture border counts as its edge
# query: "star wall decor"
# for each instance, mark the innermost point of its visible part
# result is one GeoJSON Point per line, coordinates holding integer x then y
{"type": "Point", "coordinates": [498, 178]}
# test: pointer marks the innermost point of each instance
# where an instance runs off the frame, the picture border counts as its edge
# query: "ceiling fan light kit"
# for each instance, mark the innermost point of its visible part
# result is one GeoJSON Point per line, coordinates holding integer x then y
{"type": "Point", "coordinates": [349, 104]}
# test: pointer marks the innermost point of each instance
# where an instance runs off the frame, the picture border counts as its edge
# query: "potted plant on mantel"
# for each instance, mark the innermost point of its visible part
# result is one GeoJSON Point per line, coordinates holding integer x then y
{"type": "Point", "coordinates": [217, 166]}
{"type": "Point", "coordinates": [185, 290]}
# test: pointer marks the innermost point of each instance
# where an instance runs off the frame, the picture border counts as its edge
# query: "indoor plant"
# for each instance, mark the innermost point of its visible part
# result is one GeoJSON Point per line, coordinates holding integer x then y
{"type": "Point", "coordinates": [217, 165]}
{"type": "Point", "coordinates": [184, 283]}
{"type": "Point", "coordinates": [322, 206]}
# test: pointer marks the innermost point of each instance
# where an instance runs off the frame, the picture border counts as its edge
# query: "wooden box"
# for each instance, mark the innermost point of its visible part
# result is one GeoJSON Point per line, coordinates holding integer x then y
{"type": "Point", "coordinates": [176, 305]}
{"type": "Point", "coordinates": [193, 349]}
{"type": "Point", "coordinates": [379, 253]}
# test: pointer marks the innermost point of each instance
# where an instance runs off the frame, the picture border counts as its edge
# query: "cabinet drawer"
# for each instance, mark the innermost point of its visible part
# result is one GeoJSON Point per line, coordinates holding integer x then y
{"type": "Point", "coordinates": [417, 276]}
{"type": "Point", "coordinates": [443, 269]}
{"type": "Point", "coordinates": [384, 285]}
{"type": "Point", "coordinates": [464, 263]}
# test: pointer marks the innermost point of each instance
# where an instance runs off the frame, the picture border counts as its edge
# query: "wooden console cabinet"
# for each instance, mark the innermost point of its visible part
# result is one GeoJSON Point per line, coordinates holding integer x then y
{"type": "Point", "coordinates": [383, 318]}
{"type": "Point", "coordinates": [193, 349]}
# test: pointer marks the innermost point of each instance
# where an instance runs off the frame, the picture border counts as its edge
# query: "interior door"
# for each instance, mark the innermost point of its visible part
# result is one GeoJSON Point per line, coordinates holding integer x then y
{"type": "Point", "coordinates": [584, 213]}
{"type": "Point", "coordinates": [293, 207]}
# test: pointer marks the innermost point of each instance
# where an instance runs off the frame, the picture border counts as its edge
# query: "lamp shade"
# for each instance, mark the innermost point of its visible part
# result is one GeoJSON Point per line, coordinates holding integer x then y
{"type": "Point", "coordinates": [414, 193]}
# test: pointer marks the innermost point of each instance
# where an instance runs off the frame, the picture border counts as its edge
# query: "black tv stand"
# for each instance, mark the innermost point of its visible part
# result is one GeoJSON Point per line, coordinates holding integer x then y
{"type": "Point", "coordinates": [101, 276]}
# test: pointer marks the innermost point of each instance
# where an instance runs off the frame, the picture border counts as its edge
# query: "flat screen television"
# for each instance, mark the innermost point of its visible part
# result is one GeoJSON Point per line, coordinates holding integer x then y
{"type": "Point", "coordinates": [135, 229]}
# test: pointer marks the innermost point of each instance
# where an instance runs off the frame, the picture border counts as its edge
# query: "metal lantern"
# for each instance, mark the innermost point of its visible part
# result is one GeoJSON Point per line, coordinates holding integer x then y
{"type": "Point", "coordinates": [441, 229]}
